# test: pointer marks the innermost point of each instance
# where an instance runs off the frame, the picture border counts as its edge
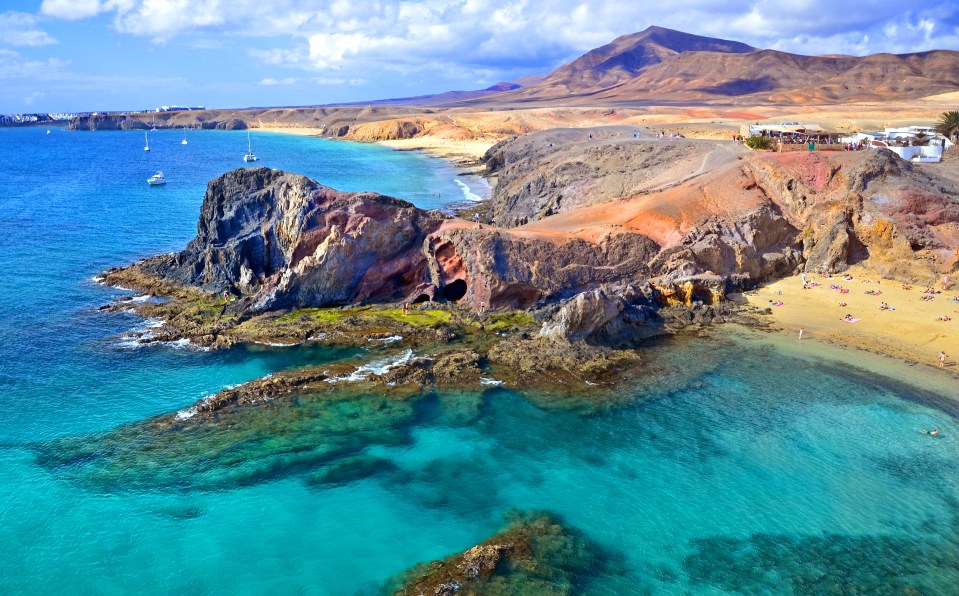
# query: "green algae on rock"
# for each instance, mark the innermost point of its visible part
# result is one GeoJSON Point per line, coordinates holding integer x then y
{"type": "Point", "coordinates": [535, 554]}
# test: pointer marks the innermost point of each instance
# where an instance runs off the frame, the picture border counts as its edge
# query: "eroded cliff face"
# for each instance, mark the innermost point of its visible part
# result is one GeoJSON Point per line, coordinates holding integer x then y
{"type": "Point", "coordinates": [287, 241]}
{"type": "Point", "coordinates": [282, 240]}
{"type": "Point", "coordinates": [750, 216]}
{"type": "Point", "coordinates": [502, 269]}
{"type": "Point", "coordinates": [870, 205]}
{"type": "Point", "coordinates": [560, 170]}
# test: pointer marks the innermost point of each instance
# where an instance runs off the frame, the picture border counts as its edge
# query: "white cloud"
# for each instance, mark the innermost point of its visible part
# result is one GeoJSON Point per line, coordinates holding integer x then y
{"type": "Point", "coordinates": [71, 10]}
{"type": "Point", "coordinates": [20, 30]}
{"type": "Point", "coordinates": [326, 81]}
{"type": "Point", "coordinates": [478, 38]}
{"type": "Point", "coordinates": [271, 82]}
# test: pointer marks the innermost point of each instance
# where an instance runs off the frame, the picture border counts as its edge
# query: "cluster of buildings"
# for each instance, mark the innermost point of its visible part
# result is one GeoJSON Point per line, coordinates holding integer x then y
{"type": "Point", "coordinates": [178, 108]}
{"type": "Point", "coordinates": [8, 119]}
{"type": "Point", "coordinates": [912, 143]}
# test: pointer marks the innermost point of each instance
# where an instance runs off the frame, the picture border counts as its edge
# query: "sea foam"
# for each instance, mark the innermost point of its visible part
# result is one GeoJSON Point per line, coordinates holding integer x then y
{"type": "Point", "coordinates": [468, 194]}
{"type": "Point", "coordinates": [376, 367]}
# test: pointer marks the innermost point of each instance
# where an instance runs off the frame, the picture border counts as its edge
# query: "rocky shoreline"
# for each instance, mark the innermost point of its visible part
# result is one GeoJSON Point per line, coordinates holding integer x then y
{"type": "Point", "coordinates": [438, 306]}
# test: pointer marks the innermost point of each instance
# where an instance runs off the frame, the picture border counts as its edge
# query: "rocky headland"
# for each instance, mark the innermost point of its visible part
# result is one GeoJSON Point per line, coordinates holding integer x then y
{"type": "Point", "coordinates": [592, 243]}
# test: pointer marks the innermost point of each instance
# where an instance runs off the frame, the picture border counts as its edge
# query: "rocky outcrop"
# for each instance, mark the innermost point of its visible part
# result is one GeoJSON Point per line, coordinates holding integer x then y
{"type": "Point", "coordinates": [534, 555]}
{"type": "Point", "coordinates": [502, 269]}
{"type": "Point", "coordinates": [605, 316]}
{"type": "Point", "coordinates": [758, 246]}
{"type": "Point", "coordinates": [556, 171]}
{"type": "Point", "coordinates": [292, 242]}
{"type": "Point", "coordinates": [865, 205]}
{"type": "Point", "coordinates": [284, 241]}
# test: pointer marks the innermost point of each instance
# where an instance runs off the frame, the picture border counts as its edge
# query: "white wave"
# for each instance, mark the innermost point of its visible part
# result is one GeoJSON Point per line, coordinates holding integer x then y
{"type": "Point", "coordinates": [122, 289]}
{"type": "Point", "coordinates": [467, 193]}
{"type": "Point", "coordinates": [98, 279]}
{"type": "Point", "coordinates": [376, 367]}
{"type": "Point", "coordinates": [154, 323]}
{"type": "Point", "coordinates": [317, 337]}
{"type": "Point", "coordinates": [130, 342]}
{"type": "Point", "coordinates": [186, 414]}
{"type": "Point", "coordinates": [143, 298]}
{"type": "Point", "coordinates": [387, 340]}
{"type": "Point", "coordinates": [488, 381]}
{"type": "Point", "coordinates": [276, 344]}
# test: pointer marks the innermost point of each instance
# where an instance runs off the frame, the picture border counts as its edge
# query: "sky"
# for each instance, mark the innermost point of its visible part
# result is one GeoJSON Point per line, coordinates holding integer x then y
{"type": "Point", "coordinates": [98, 55]}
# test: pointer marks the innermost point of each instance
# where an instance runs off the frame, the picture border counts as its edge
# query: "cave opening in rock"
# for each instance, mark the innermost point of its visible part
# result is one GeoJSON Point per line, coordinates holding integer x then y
{"type": "Point", "coordinates": [421, 299]}
{"type": "Point", "coordinates": [454, 291]}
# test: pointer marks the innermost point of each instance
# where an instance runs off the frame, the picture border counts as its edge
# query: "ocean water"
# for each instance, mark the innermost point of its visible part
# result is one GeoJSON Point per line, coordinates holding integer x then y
{"type": "Point", "coordinates": [738, 466]}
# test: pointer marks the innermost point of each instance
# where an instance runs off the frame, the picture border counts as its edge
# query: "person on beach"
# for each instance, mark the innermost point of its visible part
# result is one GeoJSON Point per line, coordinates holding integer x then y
{"type": "Point", "coordinates": [800, 333]}
{"type": "Point", "coordinates": [945, 282]}
{"type": "Point", "coordinates": [942, 359]}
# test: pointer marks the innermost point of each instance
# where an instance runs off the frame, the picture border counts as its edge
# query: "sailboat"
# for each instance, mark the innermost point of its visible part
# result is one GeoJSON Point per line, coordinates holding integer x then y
{"type": "Point", "coordinates": [183, 142]}
{"type": "Point", "coordinates": [146, 140]}
{"type": "Point", "coordinates": [249, 149]}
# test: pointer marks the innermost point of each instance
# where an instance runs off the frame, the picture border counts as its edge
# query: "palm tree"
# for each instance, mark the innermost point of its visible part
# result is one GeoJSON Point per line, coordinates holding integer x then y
{"type": "Point", "coordinates": [948, 124]}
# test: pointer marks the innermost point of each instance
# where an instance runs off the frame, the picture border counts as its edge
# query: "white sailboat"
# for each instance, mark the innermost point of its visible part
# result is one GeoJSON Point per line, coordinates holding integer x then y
{"type": "Point", "coordinates": [183, 142]}
{"type": "Point", "coordinates": [156, 179]}
{"type": "Point", "coordinates": [146, 140]}
{"type": "Point", "coordinates": [249, 149]}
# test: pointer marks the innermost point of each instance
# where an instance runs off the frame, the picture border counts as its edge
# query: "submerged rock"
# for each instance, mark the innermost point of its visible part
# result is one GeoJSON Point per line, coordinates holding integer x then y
{"type": "Point", "coordinates": [534, 555]}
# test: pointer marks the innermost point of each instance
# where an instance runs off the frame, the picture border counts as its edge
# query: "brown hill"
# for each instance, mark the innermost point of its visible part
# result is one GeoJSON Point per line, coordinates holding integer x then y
{"type": "Point", "coordinates": [668, 67]}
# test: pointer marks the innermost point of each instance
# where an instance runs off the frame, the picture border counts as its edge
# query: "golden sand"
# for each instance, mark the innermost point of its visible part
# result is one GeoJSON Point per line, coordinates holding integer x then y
{"type": "Point", "coordinates": [912, 332]}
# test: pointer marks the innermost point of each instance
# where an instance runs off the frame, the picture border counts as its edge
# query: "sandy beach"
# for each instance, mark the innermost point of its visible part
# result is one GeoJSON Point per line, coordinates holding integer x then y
{"type": "Point", "coordinates": [910, 330]}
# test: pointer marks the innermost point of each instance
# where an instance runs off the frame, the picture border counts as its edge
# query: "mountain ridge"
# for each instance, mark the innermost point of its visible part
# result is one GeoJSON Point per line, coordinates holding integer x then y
{"type": "Point", "coordinates": [659, 65]}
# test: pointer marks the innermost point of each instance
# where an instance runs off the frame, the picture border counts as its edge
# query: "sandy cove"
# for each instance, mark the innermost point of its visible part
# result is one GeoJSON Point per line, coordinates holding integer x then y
{"type": "Point", "coordinates": [911, 332]}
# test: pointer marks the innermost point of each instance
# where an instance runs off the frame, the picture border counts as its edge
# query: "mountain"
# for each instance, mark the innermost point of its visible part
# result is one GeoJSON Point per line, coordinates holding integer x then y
{"type": "Point", "coordinates": [443, 98]}
{"type": "Point", "coordinates": [664, 66]}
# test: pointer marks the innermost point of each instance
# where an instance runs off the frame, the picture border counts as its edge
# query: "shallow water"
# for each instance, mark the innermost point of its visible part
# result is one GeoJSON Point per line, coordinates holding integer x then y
{"type": "Point", "coordinates": [740, 466]}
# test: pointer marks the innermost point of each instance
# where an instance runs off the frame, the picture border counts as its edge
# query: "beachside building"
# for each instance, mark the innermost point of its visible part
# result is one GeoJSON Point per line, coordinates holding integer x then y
{"type": "Point", "coordinates": [920, 144]}
{"type": "Point", "coordinates": [794, 136]}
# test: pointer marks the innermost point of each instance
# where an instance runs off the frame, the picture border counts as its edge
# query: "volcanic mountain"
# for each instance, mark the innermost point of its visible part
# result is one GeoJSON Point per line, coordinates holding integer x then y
{"type": "Point", "coordinates": [664, 66]}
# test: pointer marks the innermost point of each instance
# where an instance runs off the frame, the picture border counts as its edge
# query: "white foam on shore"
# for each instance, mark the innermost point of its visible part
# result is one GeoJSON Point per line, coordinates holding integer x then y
{"type": "Point", "coordinates": [143, 298]}
{"type": "Point", "coordinates": [122, 289]}
{"type": "Point", "coordinates": [468, 194]}
{"type": "Point", "coordinates": [98, 279]}
{"type": "Point", "coordinates": [130, 342]}
{"type": "Point", "coordinates": [277, 344]}
{"type": "Point", "coordinates": [376, 367]}
{"type": "Point", "coordinates": [491, 382]}
{"type": "Point", "coordinates": [317, 337]}
{"type": "Point", "coordinates": [387, 340]}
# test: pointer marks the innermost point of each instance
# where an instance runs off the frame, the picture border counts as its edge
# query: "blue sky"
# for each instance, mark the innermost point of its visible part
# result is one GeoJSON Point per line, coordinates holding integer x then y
{"type": "Point", "coordinates": [79, 55]}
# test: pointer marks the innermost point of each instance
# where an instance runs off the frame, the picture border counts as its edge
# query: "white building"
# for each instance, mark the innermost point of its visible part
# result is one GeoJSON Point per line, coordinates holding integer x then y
{"type": "Point", "coordinates": [920, 144]}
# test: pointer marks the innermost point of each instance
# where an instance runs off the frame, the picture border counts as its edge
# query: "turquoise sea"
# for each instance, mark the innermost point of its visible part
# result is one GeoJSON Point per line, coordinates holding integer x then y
{"type": "Point", "coordinates": [740, 466]}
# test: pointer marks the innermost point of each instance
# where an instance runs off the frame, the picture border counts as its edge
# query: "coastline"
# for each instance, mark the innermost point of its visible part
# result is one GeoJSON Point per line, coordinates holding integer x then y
{"type": "Point", "coordinates": [458, 151]}
{"type": "Point", "coordinates": [910, 334]}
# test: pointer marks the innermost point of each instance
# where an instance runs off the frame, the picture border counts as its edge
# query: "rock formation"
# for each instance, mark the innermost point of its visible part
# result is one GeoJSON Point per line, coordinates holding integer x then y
{"type": "Point", "coordinates": [283, 241]}
{"type": "Point", "coordinates": [751, 217]}
{"type": "Point", "coordinates": [293, 242]}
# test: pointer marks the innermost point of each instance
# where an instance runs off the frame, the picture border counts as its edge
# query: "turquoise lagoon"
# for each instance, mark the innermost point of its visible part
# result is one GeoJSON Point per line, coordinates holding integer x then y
{"type": "Point", "coordinates": [741, 464]}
